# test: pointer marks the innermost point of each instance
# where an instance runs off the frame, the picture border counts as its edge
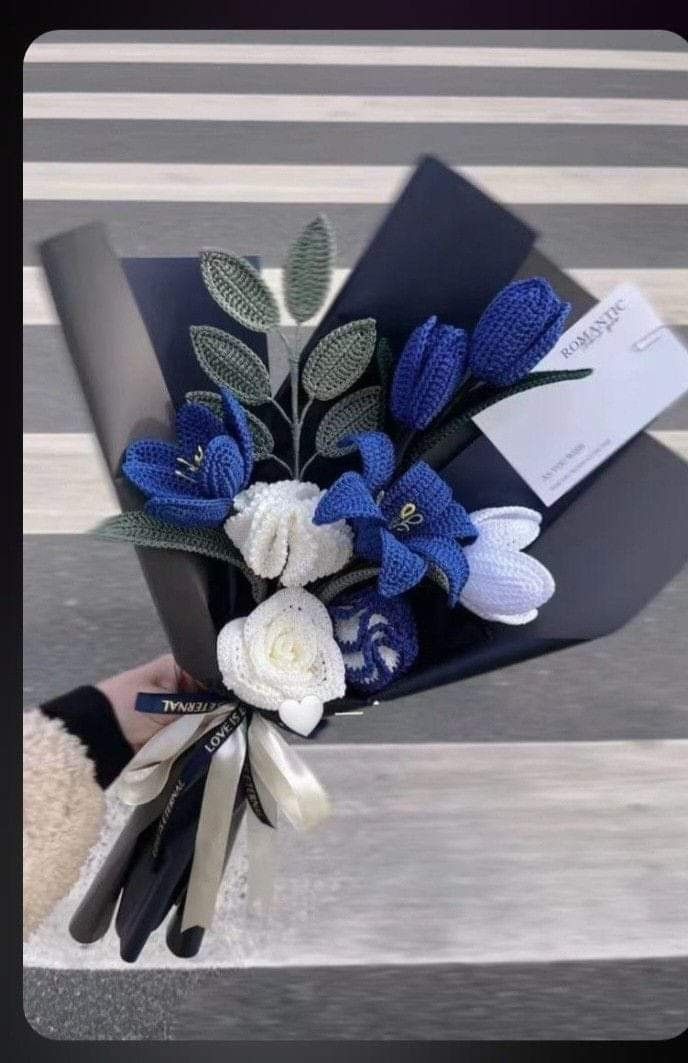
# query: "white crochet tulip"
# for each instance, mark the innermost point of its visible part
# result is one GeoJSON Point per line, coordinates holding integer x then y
{"type": "Point", "coordinates": [283, 657]}
{"type": "Point", "coordinates": [505, 584]}
{"type": "Point", "coordinates": [274, 530]}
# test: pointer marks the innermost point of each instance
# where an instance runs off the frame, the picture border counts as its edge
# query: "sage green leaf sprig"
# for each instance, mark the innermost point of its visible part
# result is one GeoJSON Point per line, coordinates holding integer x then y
{"type": "Point", "coordinates": [331, 369]}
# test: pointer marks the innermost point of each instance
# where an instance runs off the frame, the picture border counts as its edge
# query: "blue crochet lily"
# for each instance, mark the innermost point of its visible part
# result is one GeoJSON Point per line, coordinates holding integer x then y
{"type": "Point", "coordinates": [193, 481]}
{"type": "Point", "coordinates": [408, 526]}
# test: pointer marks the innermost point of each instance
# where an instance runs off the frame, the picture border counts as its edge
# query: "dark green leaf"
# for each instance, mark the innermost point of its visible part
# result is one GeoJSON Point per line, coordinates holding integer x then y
{"type": "Point", "coordinates": [231, 364]}
{"type": "Point", "coordinates": [360, 411]}
{"type": "Point", "coordinates": [308, 270]}
{"type": "Point", "coordinates": [533, 380]}
{"type": "Point", "coordinates": [240, 290]}
{"type": "Point", "coordinates": [138, 528]}
{"type": "Point", "coordinates": [339, 359]}
{"type": "Point", "coordinates": [328, 591]}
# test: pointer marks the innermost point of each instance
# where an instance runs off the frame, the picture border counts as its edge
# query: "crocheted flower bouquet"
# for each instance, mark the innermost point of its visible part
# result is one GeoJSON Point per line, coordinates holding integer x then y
{"type": "Point", "coordinates": [353, 537]}
{"type": "Point", "coordinates": [324, 502]}
{"type": "Point", "coordinates": [385, 525]}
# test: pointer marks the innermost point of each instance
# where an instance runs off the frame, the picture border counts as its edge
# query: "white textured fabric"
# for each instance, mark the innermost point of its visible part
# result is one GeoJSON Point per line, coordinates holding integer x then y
{"type": "Point", "coordinates": [274, 530]}
{"type": "Point", "coordinates": [63, 812]}
{"type": "Point", "coordinates": [284, 650]}
{"type": "Point", "coordinates": [505, 584]}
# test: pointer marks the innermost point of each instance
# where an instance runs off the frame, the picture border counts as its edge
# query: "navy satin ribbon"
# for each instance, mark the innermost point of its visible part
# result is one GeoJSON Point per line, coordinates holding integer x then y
{"type": "Point", "coordinates": [196, 767]}
{"type": "Point", "coordinates": [180, 704]}
{"type": "Point", "coordinates": [252, 793]}
{"type": "Point", "coordinates": [199, 757]}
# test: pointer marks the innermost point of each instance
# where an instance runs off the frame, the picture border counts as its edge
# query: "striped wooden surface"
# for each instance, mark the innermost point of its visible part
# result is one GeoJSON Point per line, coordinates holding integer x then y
{"type": "Point", "coordinates": [460, 853]}
{"type": "Point", "coordinates": [203, 182]}
{"type": "Point", "coordinates": [551, 800]}
{"type": "Point", "coordinates": [666, 289]}
{"type": "Point", "coordinates": [217, 107]}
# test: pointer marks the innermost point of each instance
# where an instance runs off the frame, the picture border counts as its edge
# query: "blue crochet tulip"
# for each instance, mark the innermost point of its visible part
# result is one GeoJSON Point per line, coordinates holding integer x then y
{"type": "Point", "coordinates": [428, 372]}
{"type": "Point", "coordinates": [193, 482]}
{"type": "Point", "coordinates": [519, 327]}
{"type": "Point", "coordinates": [377, 636]}
{"type": "Point", "coordinates": [411, 525]}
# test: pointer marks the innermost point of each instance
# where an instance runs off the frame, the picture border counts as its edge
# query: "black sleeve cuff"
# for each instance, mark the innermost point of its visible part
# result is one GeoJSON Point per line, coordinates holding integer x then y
{"type": "Point", "coordinates": [88, 714]}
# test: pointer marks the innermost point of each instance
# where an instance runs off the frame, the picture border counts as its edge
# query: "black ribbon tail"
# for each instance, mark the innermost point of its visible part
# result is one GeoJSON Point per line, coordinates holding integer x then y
{"type": "Point", "coordinates": [186, 944]}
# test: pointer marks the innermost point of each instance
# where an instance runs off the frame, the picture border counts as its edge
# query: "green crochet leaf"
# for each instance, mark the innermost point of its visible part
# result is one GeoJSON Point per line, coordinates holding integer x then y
{"type": "Point", "coordinates": [329, 590]}
{"type": "Point", "coordinates": [339, 359]}
{"type": "Point", "coordinates": [308, 270]}
{"type": "Point", "coordinates": [533, 380]}
{"type": "Point", "coordinates": [231, 364]}
{"type": "Point", "coordinates": [360, 411]}
{"type": "Point", "coordinates": [263, 443]}
{"type": "Point", "coordinates": [138, 528]}
{"type": "Point", "coordinates": [211, 399]}
{"type": "Point", "coordinates": [434, 436]}
{"type": "Point", "coordinates": [240, 290]}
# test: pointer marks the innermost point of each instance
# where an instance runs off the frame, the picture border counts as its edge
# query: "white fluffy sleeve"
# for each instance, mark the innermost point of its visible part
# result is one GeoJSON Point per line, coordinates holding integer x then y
{"type": "Point", "coordinates": [63, 813]}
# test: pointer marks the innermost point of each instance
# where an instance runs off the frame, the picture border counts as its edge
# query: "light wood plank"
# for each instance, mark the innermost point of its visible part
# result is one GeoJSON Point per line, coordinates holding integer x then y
{"type": "Point", "coordinates": [355, 55]}
{"type": "Point", "coordinates": [456, 853]}
{"type": "Point", "coordinates": [221, 107]}
{"type": "Point", "coordinates": [667, 289]}
{"type": "Point", "coordinates": [67, 488]}
{"type": "Point", "coordinates": [220, 183]}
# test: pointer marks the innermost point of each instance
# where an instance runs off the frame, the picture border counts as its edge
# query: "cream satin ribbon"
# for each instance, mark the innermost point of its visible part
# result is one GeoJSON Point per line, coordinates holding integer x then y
{"type": "Point", "coordinates": [283, 781]}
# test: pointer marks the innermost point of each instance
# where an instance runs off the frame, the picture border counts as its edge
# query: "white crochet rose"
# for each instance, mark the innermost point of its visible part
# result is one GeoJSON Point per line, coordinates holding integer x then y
{"type": "Point", "coordinates": [283, 657]}
{"type": "Point", "coordinates": [274, 530]}
{"type": "Point", "coordinates": [505, 584]}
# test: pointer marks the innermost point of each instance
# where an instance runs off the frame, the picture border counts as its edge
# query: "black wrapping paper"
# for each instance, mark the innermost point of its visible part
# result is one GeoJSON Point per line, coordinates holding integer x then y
{"type": "Point", "coordinates": [445, 248]}
{"type": "Point", "coordinates": [127, 329]}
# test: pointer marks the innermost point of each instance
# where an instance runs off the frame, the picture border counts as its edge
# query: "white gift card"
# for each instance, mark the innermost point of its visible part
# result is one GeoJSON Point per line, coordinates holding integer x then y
{"type": "Point", "coordinates": [556, 435]}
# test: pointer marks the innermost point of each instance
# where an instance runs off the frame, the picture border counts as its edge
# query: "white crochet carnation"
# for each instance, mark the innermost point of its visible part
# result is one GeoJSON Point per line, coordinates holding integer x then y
{"type": "Point", "coordinates": [505, 584]}
{"type": "Point", "coordinates": [283, 652]}
{"type": "Point", "coordinates": [274, 530]}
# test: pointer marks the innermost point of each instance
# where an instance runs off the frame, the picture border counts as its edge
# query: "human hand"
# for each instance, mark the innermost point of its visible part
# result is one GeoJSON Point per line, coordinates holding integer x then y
{"type": "Point", "coordinates": [161, 676]}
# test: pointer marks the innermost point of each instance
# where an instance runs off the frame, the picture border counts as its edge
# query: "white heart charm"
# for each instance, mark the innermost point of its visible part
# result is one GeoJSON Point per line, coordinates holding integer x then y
{"type": "Point", "coordinates": [301, 716]}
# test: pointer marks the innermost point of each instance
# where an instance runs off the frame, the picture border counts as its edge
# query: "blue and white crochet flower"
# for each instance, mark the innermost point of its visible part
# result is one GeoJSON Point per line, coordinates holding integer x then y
{"type": "Point", "coordinates": [405, 526]}
{"type": "Point", "coordinates": [377, 636]}
{"type": "Point", "coordinates": [193, 481]}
